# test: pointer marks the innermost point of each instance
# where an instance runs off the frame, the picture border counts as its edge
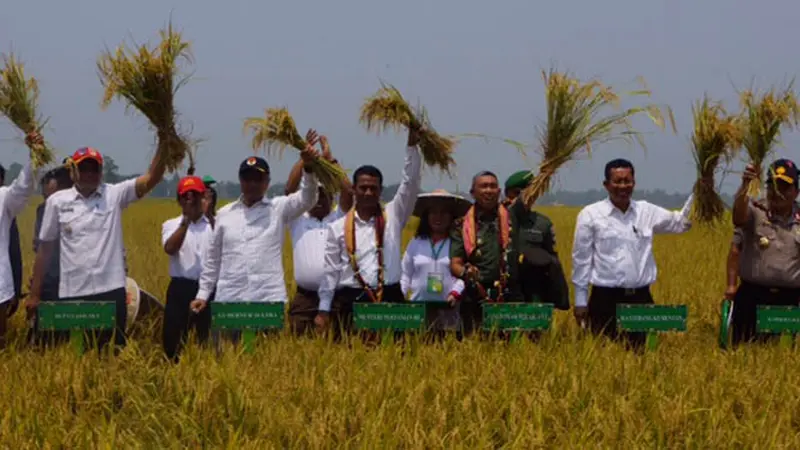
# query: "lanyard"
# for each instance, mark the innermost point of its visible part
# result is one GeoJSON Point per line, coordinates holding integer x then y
{"type": "Point", "coordinates": [436, 252]}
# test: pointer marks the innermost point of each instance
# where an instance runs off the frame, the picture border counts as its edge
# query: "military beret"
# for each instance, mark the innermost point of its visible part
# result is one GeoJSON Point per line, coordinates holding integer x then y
{"type": "Point", "coordinates": [519, 180]}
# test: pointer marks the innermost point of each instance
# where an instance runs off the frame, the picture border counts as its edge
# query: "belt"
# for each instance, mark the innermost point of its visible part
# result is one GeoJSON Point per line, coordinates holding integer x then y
{"type": "Point", "coordinates": [625, 292]}
{"type": "Point", "coordinates": [771, 289]}
{"type": "Point", "coordinates": [306, 292]}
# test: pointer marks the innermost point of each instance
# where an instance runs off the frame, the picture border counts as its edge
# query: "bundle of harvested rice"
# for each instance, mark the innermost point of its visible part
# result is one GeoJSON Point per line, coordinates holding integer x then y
{"type": "Point", "coordinates": [716, 137]}
{"type": "Point", "coordinates": [18, 102]}
{"type": "Point", "coordinates": [388, 109]}
{"type": "Point", "coordinates": [277, 130]}
{"type": "Point", "coordinates": [148, 79]}
{"type": "Point", "coordinates": [763, 118]}
{"type": "Point", "coordinates": [576, 121]}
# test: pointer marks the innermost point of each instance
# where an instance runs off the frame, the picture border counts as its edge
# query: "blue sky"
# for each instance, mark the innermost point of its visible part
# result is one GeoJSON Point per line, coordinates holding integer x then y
{"type": "Point", "coordinates": [475, 65]}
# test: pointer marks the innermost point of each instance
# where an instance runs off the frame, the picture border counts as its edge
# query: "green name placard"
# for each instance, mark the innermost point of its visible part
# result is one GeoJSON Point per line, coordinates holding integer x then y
{"type": "Point", "coordinates": [77, 315]}
{"type": "Point", "coordinates": [655, 318]}
{"type": "Point", "coordinates": [778, 319]}
{"type": "Point", "coordinates": [389, 316]}
{"type": "Point", "coordinates": [246, 315]}
{"type": "Point", "coordinates": [517, 316]}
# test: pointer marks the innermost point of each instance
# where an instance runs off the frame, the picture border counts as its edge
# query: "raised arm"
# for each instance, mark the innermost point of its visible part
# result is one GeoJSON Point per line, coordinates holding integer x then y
{"type": "Point", "coordinates": [402, 205]}
{"type": "Point", "coordinates": [173, 234]}
{"type": "Point", "coordinates": [155, 173]}
{"type": "Point", "coordinates": [741, 201]}
{"type": "Point", "coordinates": [20, 190]}
{"type": "Point", "coordinates": [293, 182]}
{"type": "Point", "coordinates": [672, 222]}
{"type": "Point", "coordinates": [582, 252]}
{"type": "Point", "coordinates": [301, 201]}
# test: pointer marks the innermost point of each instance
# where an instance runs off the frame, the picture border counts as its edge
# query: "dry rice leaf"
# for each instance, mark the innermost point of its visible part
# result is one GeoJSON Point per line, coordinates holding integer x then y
{"type": "Point", "coordinates": [580, 116]}
{"type": "Point", "coordinates": [276, 131]}
{"type": "Point", "coordinates": [19, 98]}
{"type": "Point", "coordinates": [387, 109]}
{"type": "Point", "coordinates": [147, 79]}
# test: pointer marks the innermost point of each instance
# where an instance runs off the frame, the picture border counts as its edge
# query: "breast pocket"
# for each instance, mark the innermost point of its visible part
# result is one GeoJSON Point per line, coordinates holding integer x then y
{"type": "Point", "coordinates": [101, 219]}
{"type": "Point", "coordinates": [608, 240]}
{"type": "Point", "coordinates": [73, 224]}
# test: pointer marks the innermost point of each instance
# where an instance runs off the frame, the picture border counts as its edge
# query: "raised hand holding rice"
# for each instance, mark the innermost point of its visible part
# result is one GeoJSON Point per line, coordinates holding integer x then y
{"type": "Point", "coordinates": [19, 103]}
{"type": "Point", "coordinates": [277, 130]}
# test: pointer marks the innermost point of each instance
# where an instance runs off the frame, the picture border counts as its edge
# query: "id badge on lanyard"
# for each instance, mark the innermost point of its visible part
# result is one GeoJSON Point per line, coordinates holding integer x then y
{"type": "Point", "coordinates": [435, 282]}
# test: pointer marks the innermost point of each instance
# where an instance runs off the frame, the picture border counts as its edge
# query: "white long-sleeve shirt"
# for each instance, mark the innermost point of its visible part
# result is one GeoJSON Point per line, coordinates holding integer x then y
{"type": "Point", "coordinates": [615, 249]}
{"type": "Point", "coordinates": [187, 262]}
{"type": "Point", "coordinates": [338, 271]}
{"type": "Point", "coordinates": [419, 262]}
{"type": "Point", "coordinates": [308, 236]}
{"type": "Point", "coordinates": [13, 199]}
{"type": "Point", "coordinates": [245, 259]}
{"type": "Point", "coordinates": [89, 230]}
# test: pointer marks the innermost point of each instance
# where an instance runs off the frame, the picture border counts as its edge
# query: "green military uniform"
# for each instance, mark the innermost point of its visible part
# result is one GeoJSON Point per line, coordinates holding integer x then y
{"type": "Point", "coordinates": [533, 262]}
{"type": "Point", "coordinates": [486, 258]}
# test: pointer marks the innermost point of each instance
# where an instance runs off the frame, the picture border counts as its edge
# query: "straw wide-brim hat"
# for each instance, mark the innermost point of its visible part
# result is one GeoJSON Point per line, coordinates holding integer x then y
{"type": "Point", "coordinates": [458, 205]}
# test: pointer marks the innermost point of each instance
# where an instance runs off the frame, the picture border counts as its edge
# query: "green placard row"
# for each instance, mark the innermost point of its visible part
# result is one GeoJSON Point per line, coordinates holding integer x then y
{"type": "Point", "coordinates": [641, 318]}
{"type": "Point", "coordinates": [778, 319]}
{"type": "Point", "coordinates": [77, 315]}
{"type": "Point", "coordinates": [517, 316]}
{"type": "Point", "coordinates": [246, 315]}
{"type": "Point", "coordinates": [389, 316]}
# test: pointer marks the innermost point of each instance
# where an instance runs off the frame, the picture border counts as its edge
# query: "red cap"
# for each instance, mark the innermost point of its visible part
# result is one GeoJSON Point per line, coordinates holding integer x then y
{"type": "Point", "coordinates": [85, 153]}
{"type": "Point", "coordinates": [191, 183]}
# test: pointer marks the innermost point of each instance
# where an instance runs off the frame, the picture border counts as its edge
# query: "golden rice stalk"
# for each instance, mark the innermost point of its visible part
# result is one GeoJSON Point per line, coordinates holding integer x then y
{"type": "Point", "coordinates": [764, 115]}
{"type": "Point", "coordinates": [147, 79]}
{"type": "Point", "coordinates": [577, 120]}
{"type": "Point", "coordinates": [19, 98]}
{"type": "Point", "coordinates": [388, 109]}
{"type": "Point", "coordinates": [717, 136]}
{"type": "Point", "coordinates": [276, 131]}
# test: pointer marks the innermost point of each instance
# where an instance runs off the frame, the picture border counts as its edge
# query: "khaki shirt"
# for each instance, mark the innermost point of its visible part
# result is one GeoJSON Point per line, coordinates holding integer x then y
{"type": "Point", "coordinates": [771, 250]}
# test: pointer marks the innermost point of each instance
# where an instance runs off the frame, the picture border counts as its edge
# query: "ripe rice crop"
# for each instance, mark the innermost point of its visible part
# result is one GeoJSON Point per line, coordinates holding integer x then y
{"type": "Point", "coordinates": [567, 391]}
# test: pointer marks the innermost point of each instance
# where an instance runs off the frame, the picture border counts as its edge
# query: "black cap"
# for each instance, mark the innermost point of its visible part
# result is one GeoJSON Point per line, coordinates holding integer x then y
{"type": "Point", "coordinates": [783, 170]}
{"type": "Point", "coordinates": [254, 163]}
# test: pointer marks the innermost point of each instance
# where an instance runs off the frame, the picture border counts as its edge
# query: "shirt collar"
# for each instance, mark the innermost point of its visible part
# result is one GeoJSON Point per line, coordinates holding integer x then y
{"type": "Point", "coordinates": [97, 193]}
{"type": "Point", "coordinates": [609, 207]}
{"type": "Point", "coordinates": [264, 201]}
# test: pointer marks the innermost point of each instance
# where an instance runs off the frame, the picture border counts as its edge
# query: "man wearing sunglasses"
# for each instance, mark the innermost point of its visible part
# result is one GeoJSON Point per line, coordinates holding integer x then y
{"type": "Point", "coordinates": [87, 221]}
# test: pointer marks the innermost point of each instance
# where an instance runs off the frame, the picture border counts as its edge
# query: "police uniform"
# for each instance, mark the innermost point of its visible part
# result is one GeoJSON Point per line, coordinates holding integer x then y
{"type": "Point", "coordinates": [769, 262]}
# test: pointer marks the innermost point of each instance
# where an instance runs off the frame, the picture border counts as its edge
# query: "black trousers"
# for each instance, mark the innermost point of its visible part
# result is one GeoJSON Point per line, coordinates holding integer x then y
{"type": "Point", "coordinates": [303, 310]}
{"type": "Point", "coordinates": [119, 297]}
{"type": "Point", "coordinates": [342, 306]}
{"type": "Point", "coordinates": [46, 338]}
{"type": "Point", "coordinates": [745, 308]}
{"type": "Point", "coordinates": [179, 319]}
{"type": "Point", "coordinates": [603, 311]}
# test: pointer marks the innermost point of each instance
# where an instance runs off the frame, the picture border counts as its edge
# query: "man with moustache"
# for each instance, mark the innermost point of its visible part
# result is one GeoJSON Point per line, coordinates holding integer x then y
{"type": "Point", "coordinates": [243, 259]}
{"type": "Point", "coordinates": [769, 262]}
{"type": "Point", "coordinates": [308, 233]}
{"type": "Point", "coordinates": [185, 239]}
{"type": "Point", "coordinates": [87, 222]}
{"type": "Point", "coordinates": [479, 252]}
{"type": "Point", "coordinates": [613, 251]}
{"type": "Point", "coordinates": [362, 250]}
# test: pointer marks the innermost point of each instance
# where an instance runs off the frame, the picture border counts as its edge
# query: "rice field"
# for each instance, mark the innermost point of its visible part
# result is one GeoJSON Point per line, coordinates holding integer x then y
{"type": "Point", "coordinates": [567, 391]}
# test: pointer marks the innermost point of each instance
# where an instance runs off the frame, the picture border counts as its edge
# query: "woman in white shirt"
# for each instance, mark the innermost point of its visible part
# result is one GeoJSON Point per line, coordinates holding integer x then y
{"type": "Point", "coordinates": [425, 266]}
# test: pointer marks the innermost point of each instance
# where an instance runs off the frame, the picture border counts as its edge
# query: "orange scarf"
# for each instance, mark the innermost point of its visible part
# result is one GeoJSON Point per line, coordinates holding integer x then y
{"type": "Point", "coordinates": [350, 244]}
{"type": "Point", "coordinates": [469, 233]}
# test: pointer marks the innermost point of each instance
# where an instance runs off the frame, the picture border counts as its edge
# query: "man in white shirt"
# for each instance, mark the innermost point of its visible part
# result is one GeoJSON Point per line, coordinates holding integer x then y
{"type": "Point", "coordinates": [245, 257]}
{"type": "Point", "coordinates": [373, 236]}
{"type": "Point", "coordinates": [613, 251]}
{"type": "Point", "coordinates": [185, 239]}
{"type": "Point", "coordinates": [308, 233]}
{"type": "Point", "coordinates": [13, 199]}
{"type": "Point", "coordinates": [87, 221]}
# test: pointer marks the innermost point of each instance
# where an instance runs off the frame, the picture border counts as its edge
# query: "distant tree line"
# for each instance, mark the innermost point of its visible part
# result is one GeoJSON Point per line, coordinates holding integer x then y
{"type": "Point", "coordinates": [229, 189]}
